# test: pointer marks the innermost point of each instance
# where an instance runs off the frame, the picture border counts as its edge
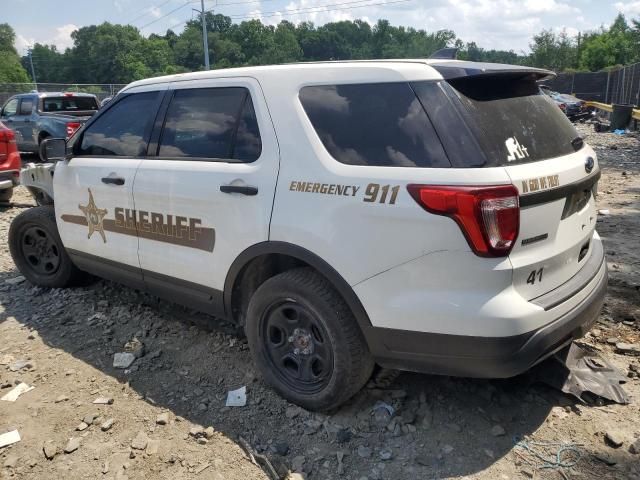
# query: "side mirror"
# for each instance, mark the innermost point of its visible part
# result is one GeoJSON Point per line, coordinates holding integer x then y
{"type": "Point", "coordinates": [53, 149]}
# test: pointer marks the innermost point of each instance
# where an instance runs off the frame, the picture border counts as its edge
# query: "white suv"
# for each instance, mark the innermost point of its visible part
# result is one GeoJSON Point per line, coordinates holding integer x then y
{"type": "Point", "coordinates": [427, 215]}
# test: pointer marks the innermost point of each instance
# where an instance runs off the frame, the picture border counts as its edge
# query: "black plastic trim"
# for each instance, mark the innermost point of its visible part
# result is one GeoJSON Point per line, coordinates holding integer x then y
{"type": "Point", "coordinates": [304, 255]}
{"type": "Point", "coordinates": [560, 192]}
{"type": "Point", "coordinates": [193, 295]}
{"type": "Point", "coordinates": [484, 357]}
{"type": "Point", "coordinates": [576, 283]}
{"type": "Point", "coordinates": [457, 69]}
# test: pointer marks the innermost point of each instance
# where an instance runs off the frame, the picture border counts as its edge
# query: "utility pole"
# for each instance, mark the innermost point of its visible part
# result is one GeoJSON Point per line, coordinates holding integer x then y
{"type": "Point", "coordinates": [205, 40]}
{"type": "Point", "coordinates": [33, 72]}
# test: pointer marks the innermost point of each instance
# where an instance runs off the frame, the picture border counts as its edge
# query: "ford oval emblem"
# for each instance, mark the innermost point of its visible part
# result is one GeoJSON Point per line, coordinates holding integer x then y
{"type": "Point", "coordinates": [589, 163]}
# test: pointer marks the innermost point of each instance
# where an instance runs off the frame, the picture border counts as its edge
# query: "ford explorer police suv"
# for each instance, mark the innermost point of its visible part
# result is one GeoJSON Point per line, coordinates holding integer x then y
{"type": "Point", "coordinates": [428, 215]}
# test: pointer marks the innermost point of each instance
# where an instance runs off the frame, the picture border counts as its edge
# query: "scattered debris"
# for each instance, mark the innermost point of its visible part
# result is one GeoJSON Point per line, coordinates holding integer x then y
{"type": "Point", "coordinates": [15, 280]}
{"type": "Point", "coordinates": [72, 445]}
{"type": "Point", "coordinates": [261, 460]}
{"type": "Point", "coordinates": [107, 424]}
{"type": "Point", "coordinates": [498, 431]}
{"type": "Point", "coordinates": [140, 441]}
{"type": "Point", "coordinates": [19, 365]}
{"type": "Point", "coordinates": [134, 347]}
{"type": "Point", "coordinates": [549, 455]}
{"type": "Point", "coordinates": [162, 418]}
{"type": "Point", "coordinates": [123, 360]}
{"type": "Point", "coordinates": [61, 398]}
{"type": "Point", "coordinates": [49, 449]}
{"type": "Point", "coordinates": [9, 438]}
{"type": "Point", "coordinates": [13, 395]}
{"type": "Point", "coordinates": [103, 401]}
{"type": "Point", "coordinates": [237, 398]}
{"type": "Point", "coordinates": [614, 438]}
{"type": "Point", "coordinates": [628, 348]}
{"type": "Point", "coordinates": [576, 371]}
{"type": "Point", "coordinates": [604, 212]}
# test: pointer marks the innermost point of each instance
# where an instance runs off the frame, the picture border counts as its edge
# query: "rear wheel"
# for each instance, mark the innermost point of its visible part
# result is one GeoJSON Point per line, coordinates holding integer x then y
{"type": "Point", "coordinates": [305, 340]}
{"type": "Point", "coordinates": [37, 250]}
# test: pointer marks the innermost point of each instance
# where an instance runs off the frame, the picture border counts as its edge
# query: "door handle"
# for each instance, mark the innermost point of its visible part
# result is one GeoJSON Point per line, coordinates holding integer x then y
{"type": "Point", "coordinates": [113, 180]}
{"type": "Point", "coordinates": [243, 189]}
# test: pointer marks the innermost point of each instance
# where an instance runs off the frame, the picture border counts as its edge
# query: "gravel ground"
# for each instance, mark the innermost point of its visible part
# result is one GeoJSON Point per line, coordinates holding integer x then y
{"type": "Point", "coordinates": [157, 425]}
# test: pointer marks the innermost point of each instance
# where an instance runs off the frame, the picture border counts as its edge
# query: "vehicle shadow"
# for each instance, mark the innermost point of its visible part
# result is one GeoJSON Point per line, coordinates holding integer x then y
{"type": "Point", "coordinates": [441, 427]}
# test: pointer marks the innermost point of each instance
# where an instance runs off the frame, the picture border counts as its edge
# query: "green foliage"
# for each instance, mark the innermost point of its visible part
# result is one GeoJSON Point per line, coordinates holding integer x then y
{"type": "Point", "coordinates": [11, 71]}
{"type": "Point", "coordinates": [110, 53]}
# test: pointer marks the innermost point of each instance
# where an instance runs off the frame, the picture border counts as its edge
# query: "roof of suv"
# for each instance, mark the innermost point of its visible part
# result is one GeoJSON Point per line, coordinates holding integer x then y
{"type": "Point", "coordinates": [446, 68]}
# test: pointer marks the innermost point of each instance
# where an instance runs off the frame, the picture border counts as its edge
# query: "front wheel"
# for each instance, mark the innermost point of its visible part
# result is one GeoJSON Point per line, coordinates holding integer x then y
{"type": "Point", "coordinates": [37, 250]}
{"type": "Point", "coordinates": [305, 340]}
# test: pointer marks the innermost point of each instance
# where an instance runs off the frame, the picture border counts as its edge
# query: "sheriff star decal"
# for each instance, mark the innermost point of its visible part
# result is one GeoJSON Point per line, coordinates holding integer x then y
{"type": "Point", "coordinates": [94, 217]}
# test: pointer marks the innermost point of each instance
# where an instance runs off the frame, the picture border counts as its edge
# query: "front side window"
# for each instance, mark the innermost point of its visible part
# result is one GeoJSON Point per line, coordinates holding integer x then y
{"type": "Point", "coordinates": [10, 108]}
{"type": "Point", "coordinates": [216, 123]}
{"type": "Point", "coordinates": [122, 130]}
{"type": "Point", "coordinates": [381, 124]}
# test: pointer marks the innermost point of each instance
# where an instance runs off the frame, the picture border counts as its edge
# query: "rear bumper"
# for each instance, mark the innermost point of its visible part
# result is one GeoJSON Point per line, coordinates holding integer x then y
{"type": "Point", "coordinates": [490, 357]}
{"type": "Point", "coordinates": [9, 179]}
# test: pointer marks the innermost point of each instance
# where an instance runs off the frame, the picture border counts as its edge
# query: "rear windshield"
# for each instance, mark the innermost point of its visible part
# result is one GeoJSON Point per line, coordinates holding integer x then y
{"type": "Point", "coordinates": [512, 120]}
{"type": "Point", "coordinates": [382, 125]}
{"type": "Point", "coordinates": [69, 104]}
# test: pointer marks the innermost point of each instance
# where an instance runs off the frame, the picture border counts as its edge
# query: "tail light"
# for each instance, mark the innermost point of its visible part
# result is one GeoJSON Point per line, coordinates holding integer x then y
{"type": "Point", "coordinates": [489, 217]}
{"type": "Point", "coordinates": [72, 127]}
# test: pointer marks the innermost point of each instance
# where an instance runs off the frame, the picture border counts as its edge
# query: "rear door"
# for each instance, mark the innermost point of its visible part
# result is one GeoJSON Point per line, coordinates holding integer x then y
{"type": "Point", "coordinates": [24, 124]}
{"type": "Point", "coordinates": [94, 189]}
{"type": "Point", "coordinates": [522, 130]}
{"type": "Point", "coordinates": [207, 194]}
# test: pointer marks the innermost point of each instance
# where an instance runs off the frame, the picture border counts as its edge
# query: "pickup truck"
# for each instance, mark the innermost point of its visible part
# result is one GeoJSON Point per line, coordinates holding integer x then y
{"type": "Point", "coordinates": [36, 116]}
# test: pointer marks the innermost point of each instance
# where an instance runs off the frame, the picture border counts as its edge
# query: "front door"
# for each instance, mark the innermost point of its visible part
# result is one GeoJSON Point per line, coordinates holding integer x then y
{"type": "Point", "coordinates": [208, 194]}
{"type": "Point", "coordinates": [96, 185]}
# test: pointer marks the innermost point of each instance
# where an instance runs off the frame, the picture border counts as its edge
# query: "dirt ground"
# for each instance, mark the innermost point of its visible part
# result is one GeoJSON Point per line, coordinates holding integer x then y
{"type": "Point", "coordinates": [62, 342]}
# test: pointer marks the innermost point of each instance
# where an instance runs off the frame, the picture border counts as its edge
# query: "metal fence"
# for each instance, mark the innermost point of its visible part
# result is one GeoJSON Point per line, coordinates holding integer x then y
{"type": "Point", "coordinates": [617, 86]}
{"type": "Point", "coordinates": [99, 90]}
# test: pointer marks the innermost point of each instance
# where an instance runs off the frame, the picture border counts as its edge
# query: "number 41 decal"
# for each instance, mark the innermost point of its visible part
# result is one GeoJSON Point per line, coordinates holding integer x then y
{"type": "Point", "coordinates": [536, 274]}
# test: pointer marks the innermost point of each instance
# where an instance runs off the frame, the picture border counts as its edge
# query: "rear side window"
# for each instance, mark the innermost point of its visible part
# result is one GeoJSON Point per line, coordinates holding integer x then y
{"type": "Point", "coordinates": [211, 123]}
{"type": "Point", "coordinates": [26, 106]}
{"type": "Point", "coordinates": [69, 104]}
{"type": "Point", "coordinates": [122, 130]}
{"type": "Point", "coordinates": [380, 125]}
{"type": "Point", "coordinates": [512, 120]}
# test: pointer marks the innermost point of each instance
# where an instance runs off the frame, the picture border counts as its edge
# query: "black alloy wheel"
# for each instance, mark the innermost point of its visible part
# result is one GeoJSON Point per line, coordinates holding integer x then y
{"type": "Point", "coordinates": [297, 346]}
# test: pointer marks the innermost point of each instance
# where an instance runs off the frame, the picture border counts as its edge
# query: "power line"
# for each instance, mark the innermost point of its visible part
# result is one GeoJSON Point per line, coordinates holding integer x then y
{"type": "Point", "coordinates": [166, 15]}
{"type": "Point", "coordinates": [315, 9]}
{"type": "Point", "coordinates": [147, 11]}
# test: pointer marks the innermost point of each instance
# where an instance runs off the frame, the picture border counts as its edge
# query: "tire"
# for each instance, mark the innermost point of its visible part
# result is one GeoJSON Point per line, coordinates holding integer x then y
{"type": "Point", "coordinates": [305, 340]}
{"type": "Point", "coordinates": [38, 252]}
{"type": "Point", "coordinates": [6, 194]}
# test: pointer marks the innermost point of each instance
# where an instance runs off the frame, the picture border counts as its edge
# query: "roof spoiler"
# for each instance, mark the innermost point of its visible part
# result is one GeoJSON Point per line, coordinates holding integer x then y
{"type": "Point", "coordinates": [450, 70]}
{"type": "Point", "coordinates": [445, 54]}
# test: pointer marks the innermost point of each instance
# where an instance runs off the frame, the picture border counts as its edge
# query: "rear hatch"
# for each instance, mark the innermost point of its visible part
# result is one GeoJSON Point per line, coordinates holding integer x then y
{"type": "Point", "coordinates": [520, 129]}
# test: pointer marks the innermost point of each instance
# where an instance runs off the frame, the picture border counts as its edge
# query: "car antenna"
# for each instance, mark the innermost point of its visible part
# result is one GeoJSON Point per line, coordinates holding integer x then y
{"type": "Point", "coordinates": [445, 54]}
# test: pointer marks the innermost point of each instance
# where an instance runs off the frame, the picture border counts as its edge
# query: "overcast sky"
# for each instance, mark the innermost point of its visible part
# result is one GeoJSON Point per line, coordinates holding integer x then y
{"type": "Point", "coordinates": [501, 24]}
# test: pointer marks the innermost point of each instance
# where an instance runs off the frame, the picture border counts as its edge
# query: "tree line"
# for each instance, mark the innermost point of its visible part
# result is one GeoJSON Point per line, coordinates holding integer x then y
{"type": "Point", "coordinates": [112, 53]}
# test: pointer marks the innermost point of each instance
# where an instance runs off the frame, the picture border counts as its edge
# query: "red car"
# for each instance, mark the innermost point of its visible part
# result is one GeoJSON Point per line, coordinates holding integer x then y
{"type": "Point", "coordinates": [9, 163]}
